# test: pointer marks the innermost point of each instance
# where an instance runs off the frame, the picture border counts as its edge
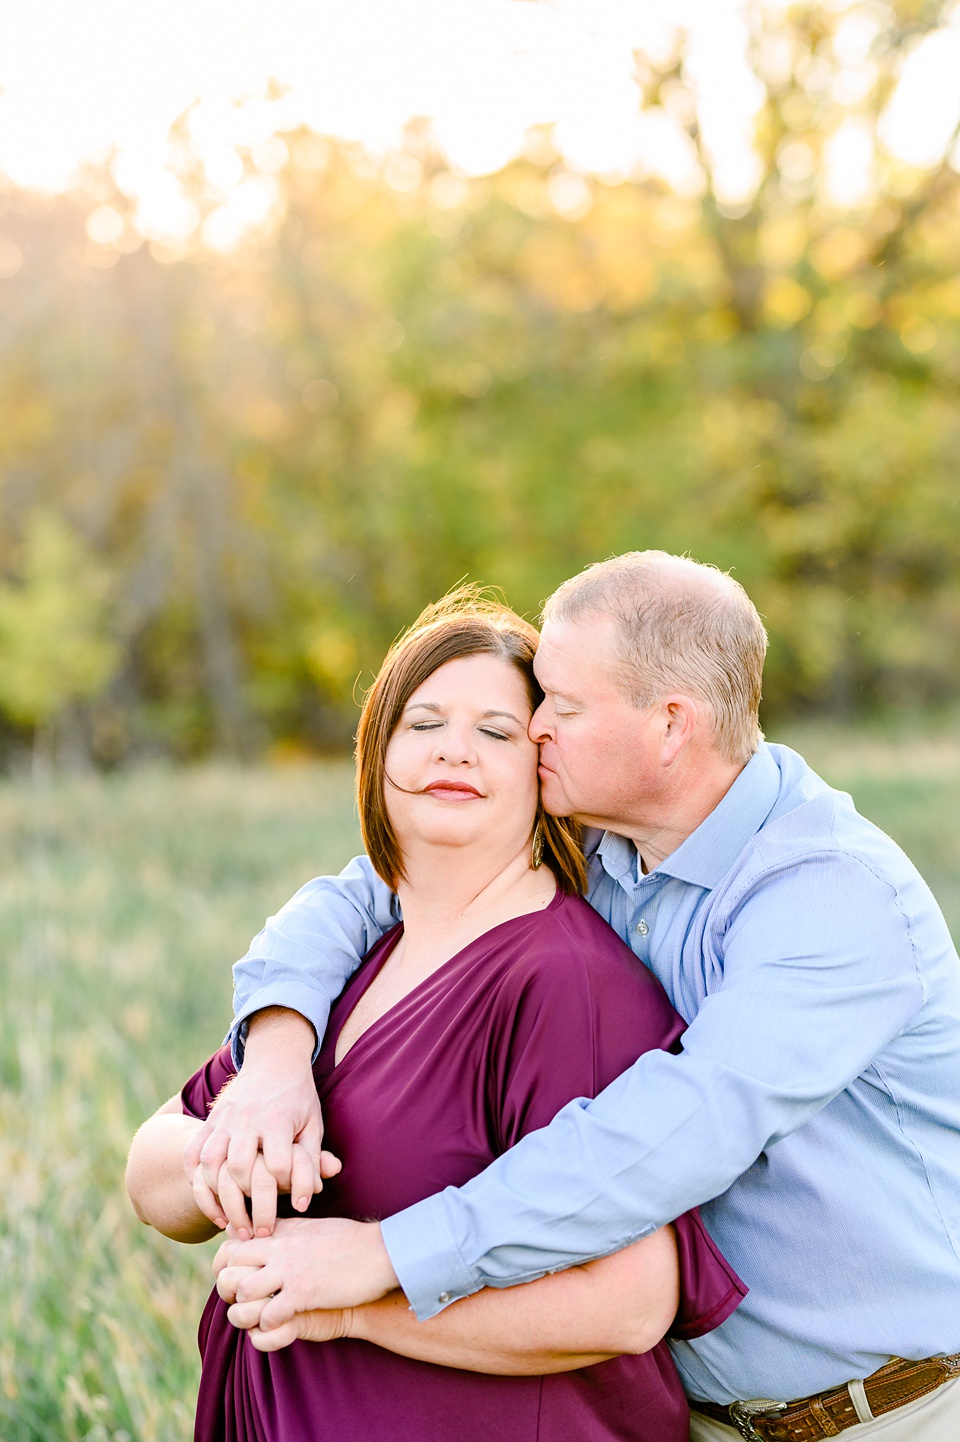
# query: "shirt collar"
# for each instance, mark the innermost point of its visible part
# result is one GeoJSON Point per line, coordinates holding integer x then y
{"type": "Point", "coordinates": [708, 853]}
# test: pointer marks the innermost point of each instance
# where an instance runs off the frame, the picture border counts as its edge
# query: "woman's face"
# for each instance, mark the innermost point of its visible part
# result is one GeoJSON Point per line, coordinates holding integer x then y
{"type": "Point", "coordinates": [464, 760]}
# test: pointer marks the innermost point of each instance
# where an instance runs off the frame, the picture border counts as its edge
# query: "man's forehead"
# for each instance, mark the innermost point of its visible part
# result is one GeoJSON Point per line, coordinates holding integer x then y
{"type": "Point", "coordinates": [572, 653]}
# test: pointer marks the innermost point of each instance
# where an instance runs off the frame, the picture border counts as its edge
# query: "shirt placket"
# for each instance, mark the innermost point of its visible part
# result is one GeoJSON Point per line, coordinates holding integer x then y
{"type": "Point", "coordinates": [646, 903]}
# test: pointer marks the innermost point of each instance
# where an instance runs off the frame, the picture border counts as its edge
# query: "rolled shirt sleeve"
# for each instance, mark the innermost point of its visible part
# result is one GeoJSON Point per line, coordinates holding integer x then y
{"type": "Point", "coordinates": [815, 973]}
{"type": "Point", "coordinates": [305, 954]}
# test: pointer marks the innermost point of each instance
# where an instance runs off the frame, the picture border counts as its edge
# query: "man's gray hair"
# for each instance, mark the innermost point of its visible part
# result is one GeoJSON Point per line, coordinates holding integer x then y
{"type": "Point", "coordinates": [680, 626]}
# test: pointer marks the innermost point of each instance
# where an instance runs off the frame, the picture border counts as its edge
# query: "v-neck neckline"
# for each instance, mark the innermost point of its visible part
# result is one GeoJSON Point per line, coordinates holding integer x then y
{"type": "Point", "coordinates": [391, 938]}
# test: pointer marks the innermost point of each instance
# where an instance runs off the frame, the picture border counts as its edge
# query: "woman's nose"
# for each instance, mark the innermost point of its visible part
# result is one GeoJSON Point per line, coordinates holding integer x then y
{"type": "Point", "coordinates": [454, 748]}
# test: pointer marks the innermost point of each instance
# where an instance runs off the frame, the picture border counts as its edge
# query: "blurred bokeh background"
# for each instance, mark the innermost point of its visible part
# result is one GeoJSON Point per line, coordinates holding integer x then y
{"type": "Point", "coordinates": [305, 316]}
{"type": "Point", "coordinates": [309, 310]}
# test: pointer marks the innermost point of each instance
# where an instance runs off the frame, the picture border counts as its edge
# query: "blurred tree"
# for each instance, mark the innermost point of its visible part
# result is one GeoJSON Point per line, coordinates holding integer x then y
{"type": "Point", "coordinates": [55, 644]}
{"type": "Point", "coordinates": [407, 377]}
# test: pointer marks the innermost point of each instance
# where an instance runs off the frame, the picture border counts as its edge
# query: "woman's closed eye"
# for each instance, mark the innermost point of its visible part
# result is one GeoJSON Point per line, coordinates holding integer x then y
{"type": "Point", "coordinates": [493, 732]}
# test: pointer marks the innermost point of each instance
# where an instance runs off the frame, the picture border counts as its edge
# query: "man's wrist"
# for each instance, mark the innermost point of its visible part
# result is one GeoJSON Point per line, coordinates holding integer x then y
{"type": "Point", "coordinates": [277, 1030]}
{"type": "Point", "coordinates": [384, 1278]}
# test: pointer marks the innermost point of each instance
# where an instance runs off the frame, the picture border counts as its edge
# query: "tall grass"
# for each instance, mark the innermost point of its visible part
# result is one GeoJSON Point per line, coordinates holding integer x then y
{"type": "Point", "coordinates": [122, 902]}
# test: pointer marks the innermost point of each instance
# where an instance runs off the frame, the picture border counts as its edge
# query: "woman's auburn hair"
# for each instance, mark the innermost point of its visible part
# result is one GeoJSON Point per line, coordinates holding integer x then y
{"type": "Point", "coordinates": [466, 622]}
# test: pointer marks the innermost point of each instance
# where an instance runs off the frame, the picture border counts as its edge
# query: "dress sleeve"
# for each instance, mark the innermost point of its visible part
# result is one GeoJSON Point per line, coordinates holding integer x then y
{"type": "Point", "coordinates": [201, 1091]}
{"type": "Point", "coordinates": [577, 1010]}
{"type": "Point", "coordinates": [571, 1024]}
{"type": "Point", "coordinates": [709, 1287]}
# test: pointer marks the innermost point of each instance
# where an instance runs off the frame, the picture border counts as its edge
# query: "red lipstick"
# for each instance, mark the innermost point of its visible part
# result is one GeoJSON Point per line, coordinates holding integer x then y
{"type": "Point", "coordinates": [452, 790]}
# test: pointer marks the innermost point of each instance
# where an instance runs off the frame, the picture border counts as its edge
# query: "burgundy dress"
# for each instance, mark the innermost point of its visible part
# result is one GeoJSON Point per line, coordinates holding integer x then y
{"type": "Point", "coordinates": [542, 1009]}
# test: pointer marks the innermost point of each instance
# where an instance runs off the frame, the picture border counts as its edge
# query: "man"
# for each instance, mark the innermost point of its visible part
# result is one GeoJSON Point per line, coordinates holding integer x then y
{"type": "Point", "coordinates": [814, 1110]}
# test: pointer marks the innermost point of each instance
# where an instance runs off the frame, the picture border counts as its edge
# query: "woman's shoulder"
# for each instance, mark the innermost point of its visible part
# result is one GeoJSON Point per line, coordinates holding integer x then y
{"type": "Point", "coordinates": [571, 1009]}
{"type": "Point", "coordinates": [569, 933]}
{"type": "Point", "coordinates": [570, 949]}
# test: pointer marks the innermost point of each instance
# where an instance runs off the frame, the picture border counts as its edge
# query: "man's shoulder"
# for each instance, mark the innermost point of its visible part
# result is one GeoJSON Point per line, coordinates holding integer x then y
{"type": "Point", "coordinates": [813, 822]}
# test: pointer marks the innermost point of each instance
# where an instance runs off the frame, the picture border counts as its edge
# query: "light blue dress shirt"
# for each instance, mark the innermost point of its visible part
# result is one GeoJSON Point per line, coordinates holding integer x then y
{"type": "Point", "coordinates": [814, 1109]}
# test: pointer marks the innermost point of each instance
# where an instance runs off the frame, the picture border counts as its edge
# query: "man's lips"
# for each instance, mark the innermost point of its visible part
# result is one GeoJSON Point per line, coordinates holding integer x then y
{"type": "Point", "coordinates": [453, 791]}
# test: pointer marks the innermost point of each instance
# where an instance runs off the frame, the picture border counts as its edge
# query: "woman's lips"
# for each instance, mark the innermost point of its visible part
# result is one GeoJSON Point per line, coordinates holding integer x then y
{"type": "Point", "coordinates": [453, 791]}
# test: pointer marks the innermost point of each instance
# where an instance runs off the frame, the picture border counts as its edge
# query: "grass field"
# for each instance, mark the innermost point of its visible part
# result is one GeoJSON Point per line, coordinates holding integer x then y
{"type": "Point", "coordinates": [122, 903]}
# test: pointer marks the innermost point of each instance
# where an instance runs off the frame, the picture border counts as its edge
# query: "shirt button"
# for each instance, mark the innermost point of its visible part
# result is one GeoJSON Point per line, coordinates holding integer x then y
{"type": "Point", "coordinates": [444, 1297]}
{"type": "Point", "coordinates": [642, 927]}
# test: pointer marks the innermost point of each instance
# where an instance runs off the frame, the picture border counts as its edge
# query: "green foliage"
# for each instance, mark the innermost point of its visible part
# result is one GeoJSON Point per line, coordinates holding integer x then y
{"type": "Point", "coordinates": [55, 645]}
{"type": "Point", "coordinates": [284, 452]}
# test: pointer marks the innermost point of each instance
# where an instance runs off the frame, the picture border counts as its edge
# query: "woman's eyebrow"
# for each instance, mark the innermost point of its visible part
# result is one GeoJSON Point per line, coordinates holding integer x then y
{"type": "Point", "coordinates": [438, 710]}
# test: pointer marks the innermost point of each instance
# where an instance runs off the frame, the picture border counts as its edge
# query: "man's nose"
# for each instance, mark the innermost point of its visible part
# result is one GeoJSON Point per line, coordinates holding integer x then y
{"type": "Point", "coordinates": [541, 726]}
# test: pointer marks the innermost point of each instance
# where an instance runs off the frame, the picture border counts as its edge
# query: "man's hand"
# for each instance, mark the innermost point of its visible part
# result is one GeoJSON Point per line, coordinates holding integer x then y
{"type": "Point", "coordinates": [309, 1264]}
{"type": "Point", "coordinates": [271, 1108]}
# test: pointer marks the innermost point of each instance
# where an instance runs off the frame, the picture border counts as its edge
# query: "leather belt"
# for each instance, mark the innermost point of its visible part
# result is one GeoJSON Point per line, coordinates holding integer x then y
{"type": "Point", "coordinates": [828, 1413]}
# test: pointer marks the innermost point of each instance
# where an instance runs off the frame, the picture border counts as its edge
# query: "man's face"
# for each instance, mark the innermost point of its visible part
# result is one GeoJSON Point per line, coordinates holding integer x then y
{"type": "Point", "coordinates": [598, 752]}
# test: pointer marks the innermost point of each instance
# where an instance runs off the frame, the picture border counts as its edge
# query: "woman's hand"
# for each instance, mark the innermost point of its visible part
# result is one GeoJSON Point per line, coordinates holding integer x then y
{"type": "Point", "coordinates": [308, 1264]}
{"type": "Point", "coordinates": [269, 1113]}
{"type": "Point", "coordinates": [313, 1326]}
{"type": "Point", "coordinates": [226, 1202]}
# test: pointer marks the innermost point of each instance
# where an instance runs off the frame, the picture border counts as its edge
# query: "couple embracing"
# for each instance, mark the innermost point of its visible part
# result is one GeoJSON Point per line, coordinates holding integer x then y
{"type": "Point", "coordinates": [641, 1082]}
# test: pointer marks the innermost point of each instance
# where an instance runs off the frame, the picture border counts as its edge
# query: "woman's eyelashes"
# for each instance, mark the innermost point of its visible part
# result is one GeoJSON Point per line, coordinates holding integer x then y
{"type": "Point", "coordinates": [491, 731]}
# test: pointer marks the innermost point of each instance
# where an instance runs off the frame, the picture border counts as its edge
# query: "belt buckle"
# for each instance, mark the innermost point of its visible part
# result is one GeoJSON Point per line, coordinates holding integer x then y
{"type": "Point", "coordinates": [742, 1415]}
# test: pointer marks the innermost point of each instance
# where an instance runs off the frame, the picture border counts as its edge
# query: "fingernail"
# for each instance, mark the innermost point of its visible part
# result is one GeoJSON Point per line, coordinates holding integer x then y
{"type": "Point", "coordinates": [263, 1231]}
{"type": "Point", "coordinates": [221, 1222]}
{"type": "Point", "coordinates": [243, 1234]}
{"type": "Point", "coordinates": [301, 1204]}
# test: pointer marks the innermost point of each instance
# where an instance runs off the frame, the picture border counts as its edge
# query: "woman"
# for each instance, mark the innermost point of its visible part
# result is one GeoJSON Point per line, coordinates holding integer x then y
{"type": "Point", "coordinates": [501, 997]}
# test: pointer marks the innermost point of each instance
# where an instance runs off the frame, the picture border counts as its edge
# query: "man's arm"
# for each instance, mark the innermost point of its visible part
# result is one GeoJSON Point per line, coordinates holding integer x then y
{"type": "Point", "coordinates": [811, 995]}
{"type": "Point", "coordinates": [295, 967]}
{"type": "Point", "coordinates": [304, 955]}
{"type": "Point", "coordinates": [623, 1303]}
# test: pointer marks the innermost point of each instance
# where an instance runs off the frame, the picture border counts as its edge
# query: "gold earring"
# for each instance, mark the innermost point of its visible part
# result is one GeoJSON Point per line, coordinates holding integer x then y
{"type": "Point", "coordinates": [536, 858]}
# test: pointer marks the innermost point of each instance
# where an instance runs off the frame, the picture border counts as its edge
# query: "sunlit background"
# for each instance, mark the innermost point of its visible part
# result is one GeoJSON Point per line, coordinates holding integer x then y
{"type": "Point", "coordinates": [307, 310]}
{"type": "Point", "coordinates": [105, 82]}
{"type": "Point", "coordinates": [310, 310]}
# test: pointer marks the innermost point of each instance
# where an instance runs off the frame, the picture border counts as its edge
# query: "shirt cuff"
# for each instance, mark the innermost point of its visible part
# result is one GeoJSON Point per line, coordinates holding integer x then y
{"type": "Point", "coordinates": [295, 998]}
{"type": "Point", "coordinates": [425, 1257]}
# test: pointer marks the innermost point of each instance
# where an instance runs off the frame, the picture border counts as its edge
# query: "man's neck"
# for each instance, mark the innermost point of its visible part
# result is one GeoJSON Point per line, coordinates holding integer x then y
{"type": "Point", "coordinates": [668, 823]}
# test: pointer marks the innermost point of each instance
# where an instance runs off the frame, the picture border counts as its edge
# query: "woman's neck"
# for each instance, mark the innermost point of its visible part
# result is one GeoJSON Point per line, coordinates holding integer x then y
{"type": "Point", "coordinates": [450, 897]}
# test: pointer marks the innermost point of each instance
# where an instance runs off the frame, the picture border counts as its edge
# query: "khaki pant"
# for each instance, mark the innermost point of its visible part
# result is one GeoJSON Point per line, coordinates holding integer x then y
{"type": "Point", "coordinates": [934, 1418]}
